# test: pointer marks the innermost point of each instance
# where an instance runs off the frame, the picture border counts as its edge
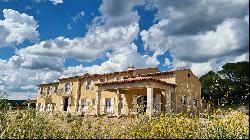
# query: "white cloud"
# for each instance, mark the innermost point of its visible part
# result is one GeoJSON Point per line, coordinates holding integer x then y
{"type": "Point", "coordinates": [119, 12]}
{"type": "Point", "coordinates": [120, 59]}
{"type": "Point", "coordinates": [75, 18]}
{"type": "Point", "coordinates": [16, 28]}
{"type": "Point", "coordinates": [88, 48]}
{"type": "Point", "coordinates": [155, 38]}
{"type": "Point", "coordinates": [73, 71]}
{"type": "Point", "coordinates": [167, 62]}
{"type": "Point", "coordinates": [21, 80]}
{"type": "Point", "coordinates": [203, 40]}
{"type": "Point", "coordinates": [200, 52]}
{"type": "Point", "coordinates": [55, 2]}
{"type": "Point", "coordinates": [246, 18]}
{"type": "Point", "coordinates": [192, 16]}
{"type": "Point", "coordinates": [21, 95]}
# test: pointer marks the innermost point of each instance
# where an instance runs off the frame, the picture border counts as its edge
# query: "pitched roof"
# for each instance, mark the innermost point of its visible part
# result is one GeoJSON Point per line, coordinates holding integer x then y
{"type": "Point", "coordinates": [46, 84]}
{"type": "Point", "coordinates": [156, 73]}
{"type": "Point", "coordinates": [87, 75]}
{"type": "Point", "coordinates": [133, 80]}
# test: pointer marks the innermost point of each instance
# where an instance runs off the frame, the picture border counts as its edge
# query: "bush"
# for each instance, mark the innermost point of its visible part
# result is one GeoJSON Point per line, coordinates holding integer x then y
{"type": "Point", "coordinates": [31, 124]}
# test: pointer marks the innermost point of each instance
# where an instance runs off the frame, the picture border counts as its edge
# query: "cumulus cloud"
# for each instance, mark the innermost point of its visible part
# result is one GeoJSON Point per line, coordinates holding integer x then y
{"type": "Point", "coordinates": [17, 79]}
{"type": "Point", "coordinates": [16, 28]}
{"type": "Point", "coordinates": [167, 62]}
{"type": "Point", "coordinates": [201, 35]}
{"type": "Point", "coordinates": [120, 59]}
{"type": "Point", "coordinates": [119, 12]}
{"type": "Point", "coordinates": [192, 16]}
{"type": "Point", "coordinates": [230, 38]}
{"type": "Point", "coordinates": [55, 2]}
{"type": "Point", "coordinates": [88, 48]}
{"type": "Point", "coordinates": [26, 60]}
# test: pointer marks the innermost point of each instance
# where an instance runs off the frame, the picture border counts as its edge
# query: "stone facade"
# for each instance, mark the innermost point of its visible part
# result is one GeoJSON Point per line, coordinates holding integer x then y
{"type": "Point", "coordinates": [122, 93]}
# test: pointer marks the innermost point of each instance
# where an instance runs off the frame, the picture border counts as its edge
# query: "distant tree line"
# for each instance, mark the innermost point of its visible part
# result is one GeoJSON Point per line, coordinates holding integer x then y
{"type": "Point", "coordinates": [229, 86]}
{"type": "Point", "coordinates": [4, 106]}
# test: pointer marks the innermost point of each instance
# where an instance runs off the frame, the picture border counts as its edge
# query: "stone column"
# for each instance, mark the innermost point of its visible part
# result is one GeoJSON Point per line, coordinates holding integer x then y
{"type": "Point", "coordinates": [158, 104]}
{"type": "Point", "coordinates": [97, 107]}
{"type": "Point", "coordinates": [80, 105]}
{"type": "Point", "coordinates": [69, 104]}
{"type": "Point", "coordinates": [168, 101]}
{"type": "Point", "coordinates": [118, 103]}
{"type": "Point", "coordinates": [150, 95]}
{"type": "Point", "coordinates": [37, 107]}
{"type": "Point", "coordinates": [43, 107]}
{"type": "Point", "coordinates": [61, 106]}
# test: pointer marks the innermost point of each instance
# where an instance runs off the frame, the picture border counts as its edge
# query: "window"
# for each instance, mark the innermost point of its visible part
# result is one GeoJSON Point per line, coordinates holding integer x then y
{"type": "Point", "coordinates": [122, 103]}
{"type": "Point", "coordinates": [195, 103]}
{"type": "Point", "coordinates": [48, 90]}
{"type": "Point", "coordinates": [103, 79]}
{"type": "Point", "coordinates": [68, 87]}
{"type": "Point", "coordinates": [118, 78]}
{"type": "Point", "coordinates": [93, 102]}
{"type": "Point", "coordinates": [89, 84]}
{"type": "Point", "coordinates": [55, 89]}
{"type": "Point", "coordinates": [154, 102]}
{"type": "Point", "coordinates": [84, 103]}
{"type": "Point", "coordinates": [184, 100]}
{"type": "Point", "coordinates": [189, 75]}
{"type": "Point", "coordinates": [108, 103]}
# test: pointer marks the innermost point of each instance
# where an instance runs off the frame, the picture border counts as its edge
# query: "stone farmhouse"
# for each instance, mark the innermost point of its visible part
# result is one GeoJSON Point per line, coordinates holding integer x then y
{"type": "Point", "coordinates": [132, 91]}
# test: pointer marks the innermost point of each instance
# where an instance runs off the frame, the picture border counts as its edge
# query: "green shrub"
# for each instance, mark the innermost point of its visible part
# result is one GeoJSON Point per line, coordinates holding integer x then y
{"type": "Point", "coordinates": [33, 125]}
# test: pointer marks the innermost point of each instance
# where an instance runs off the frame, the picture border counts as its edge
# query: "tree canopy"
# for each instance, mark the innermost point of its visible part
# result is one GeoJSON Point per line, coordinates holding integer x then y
{"type": "Point", "coordinates": [228, 86]}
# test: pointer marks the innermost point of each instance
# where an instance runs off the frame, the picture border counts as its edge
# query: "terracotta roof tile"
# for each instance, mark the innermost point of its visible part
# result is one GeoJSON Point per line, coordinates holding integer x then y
{"type": "Point", "coordinates": [52, 83]}
{"type": "Point", "coordinates": [133, 80]}
{"type": "Point", "coordinates": [87, 75]}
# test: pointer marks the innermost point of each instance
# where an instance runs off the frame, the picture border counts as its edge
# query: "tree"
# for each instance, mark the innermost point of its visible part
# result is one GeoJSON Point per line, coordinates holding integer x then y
{"type": "Point", "coordinates": [212, 88]}
{"type": "Point", "coordinates": [228, 86]}
{"type": "Point", "coordinates": [4, 106]}
{"type": "Point", "coordinates": [237, 77]}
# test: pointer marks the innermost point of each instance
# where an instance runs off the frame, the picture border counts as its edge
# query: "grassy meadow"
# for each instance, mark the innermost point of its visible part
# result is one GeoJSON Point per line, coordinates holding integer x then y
{"type": "Point", "coordinates": [33, 125]}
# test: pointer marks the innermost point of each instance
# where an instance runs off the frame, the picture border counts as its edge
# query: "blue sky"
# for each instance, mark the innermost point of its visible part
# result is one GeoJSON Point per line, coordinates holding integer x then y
{"type": "Point", "coordinates": [43, 40]}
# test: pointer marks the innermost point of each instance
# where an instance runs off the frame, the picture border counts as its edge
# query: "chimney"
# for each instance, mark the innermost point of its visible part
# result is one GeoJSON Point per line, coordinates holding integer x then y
{"type": "Point", "coordinates": [131, 68]}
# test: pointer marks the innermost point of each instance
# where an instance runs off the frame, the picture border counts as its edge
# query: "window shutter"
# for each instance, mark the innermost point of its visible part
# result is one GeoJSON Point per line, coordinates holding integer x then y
{"type": "Point", "coordinates": [182, 100]}
{"type": "Point", "coordinates": [123, 103]}
{"type": "Point", "coordinates": [112, 105]}
{"type": "Point", "coordinates": [86, 82]}
{"type": "Point", "coordinates": [65, 86]}
{"type": "Point", "coordinates": [71, 86]}
{"type": "Point", "coordinates": [134, 99]}
{"type": "Point", "coordinates": [92, 84]}
{"type": "Point", "coordinates": [80, 102]}
{"type": "Point", "coordinates": [103, 105]}
{"type": "Point", "coordinates": [79, 105]}
{"type": "Point", "coordinates": [87, 104]}
{"type": "Point", "coordinates": [106, 79]}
